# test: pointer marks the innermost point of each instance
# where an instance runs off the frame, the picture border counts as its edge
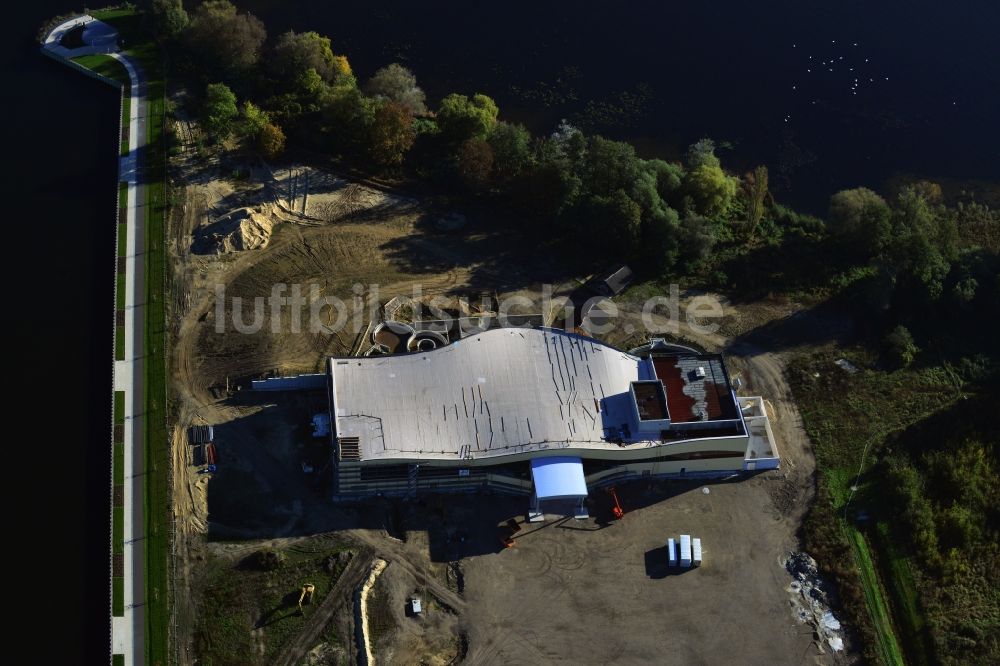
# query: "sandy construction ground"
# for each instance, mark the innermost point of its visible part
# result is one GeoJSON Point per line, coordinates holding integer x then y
{"type": "Point", "coordinates": [587, 592]}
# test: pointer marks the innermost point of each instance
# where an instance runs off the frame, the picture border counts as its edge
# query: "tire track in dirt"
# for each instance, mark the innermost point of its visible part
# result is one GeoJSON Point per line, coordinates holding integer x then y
{"type": "Point", "coordinates": [340, 594]}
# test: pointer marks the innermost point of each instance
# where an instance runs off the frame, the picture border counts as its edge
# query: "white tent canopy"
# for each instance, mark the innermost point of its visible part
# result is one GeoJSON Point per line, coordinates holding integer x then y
{"type": "Point", "coordinates": [559, 477]}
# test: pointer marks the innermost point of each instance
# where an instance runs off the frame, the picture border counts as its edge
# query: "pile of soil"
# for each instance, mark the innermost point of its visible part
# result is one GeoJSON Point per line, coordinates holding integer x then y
{"type": "Point", "coordinates": [242, 229]}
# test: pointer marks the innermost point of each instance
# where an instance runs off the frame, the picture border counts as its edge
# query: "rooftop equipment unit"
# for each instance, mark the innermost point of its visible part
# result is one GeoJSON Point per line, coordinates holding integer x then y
{"type": "Point", "coordinates": [696, 552]}
{"type": "Point", "coordinates": [685, 555]}
{"type": "Point", "coordinates": [671, 552]}
{"type": "Point", "coordinates": [700, 372]}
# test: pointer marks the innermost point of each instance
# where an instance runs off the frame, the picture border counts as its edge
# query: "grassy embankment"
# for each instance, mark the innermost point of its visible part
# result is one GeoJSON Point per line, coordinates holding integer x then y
{"type": "Point", "coordinates": [104, 65]}
{"type": "Point", "coordinates": [848, 434]}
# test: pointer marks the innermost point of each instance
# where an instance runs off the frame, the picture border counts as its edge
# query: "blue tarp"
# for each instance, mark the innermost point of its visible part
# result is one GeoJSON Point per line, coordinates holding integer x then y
{"type": "Point", "coordinates": [560, 477]}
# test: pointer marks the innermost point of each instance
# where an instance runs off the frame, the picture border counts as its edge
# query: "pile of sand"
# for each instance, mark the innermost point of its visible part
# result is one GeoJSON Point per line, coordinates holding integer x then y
{"type": "Point", "coordinates": [242, 229]}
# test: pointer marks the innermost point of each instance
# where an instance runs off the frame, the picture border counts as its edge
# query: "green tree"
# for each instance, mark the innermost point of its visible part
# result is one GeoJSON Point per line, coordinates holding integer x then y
{"type": "Point", "coordinates": [271, 141]}
{"type": "Point", "coordinates": [755, 188]}
{"type": "Point", "coordinates": [547, 190]}
{"type": "Point", "coordinates": [511, 146]}
{"type": "Point", "coordinates": [610, 223]}
{"type": "Point", "coordinates": [710, 189]}
{"type": "Point", "coordinates": [392, 133]}
{"type": "Point", "coordinates": [398, 84]}
{"type": "Point", "coordinates": [296, 52]}
{"type": "Point", "coordinates": [254, 119]}
{"type": "Point", "coordinates": [862, 219]}
{"type": "Point", "coordinates": [609, 166]}
{"type": "Point", "coordinates": [219, 110]}
{"type": "Point", "coordinates": [923, 242]}
{"type": "Point", "coordinates": [702, 153]}
{"type": "Point", "coordinates": [461, 118]}
{"type": "Point", "coordinates": [349, 115]}
{"type": "Point", "coordinates": [658, 240]}
{"type": "Point", "coordinates": [166, 18]}
{"type": "Point", "coordinates": [697, 238]}
{"type": "Point", "coordinates": [669, 178]}
{"type": "Point", "coordinates": [225, 40]}
{"type": "Point", "coordinates": [475, 162]}
{"type": "Point", "coordinates": [902, 350]}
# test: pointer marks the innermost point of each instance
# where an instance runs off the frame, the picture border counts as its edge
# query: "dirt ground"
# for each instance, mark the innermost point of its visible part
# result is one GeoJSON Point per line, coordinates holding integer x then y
{"type": "Point", "coordinates": [578, 592]}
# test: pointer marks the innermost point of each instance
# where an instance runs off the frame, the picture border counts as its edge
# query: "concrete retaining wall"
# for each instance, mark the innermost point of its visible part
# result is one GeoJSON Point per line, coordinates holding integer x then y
{"type": "Point", "coordinates": [294, 383]}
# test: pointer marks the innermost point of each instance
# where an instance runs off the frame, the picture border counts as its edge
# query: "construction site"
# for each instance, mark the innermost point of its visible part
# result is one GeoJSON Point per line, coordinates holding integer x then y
{"type": "Point", "coordinates": [275, 562]}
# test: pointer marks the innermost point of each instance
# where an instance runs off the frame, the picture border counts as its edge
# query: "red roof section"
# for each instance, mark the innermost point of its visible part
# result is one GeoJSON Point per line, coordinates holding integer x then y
{"type": "Point", "coordinates": [678, 404]}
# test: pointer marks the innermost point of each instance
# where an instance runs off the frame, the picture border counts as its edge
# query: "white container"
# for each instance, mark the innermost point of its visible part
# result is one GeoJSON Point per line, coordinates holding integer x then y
{"type": "Point", "coordinates": [696, 552]}
{"type": "Point", "coordinates": [671, 552]}
{"type": "Point", "coordinates": [415, 606]}
{"type": "Point", "coordinates": [685, 555]}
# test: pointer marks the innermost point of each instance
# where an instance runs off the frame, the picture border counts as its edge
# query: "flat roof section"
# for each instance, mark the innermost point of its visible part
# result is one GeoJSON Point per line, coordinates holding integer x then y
{"type": "Point", "coordinates": [650, 400]}
{"type": "Point", "coordinates": [692, 397]}
{"type": "Point", "coordinates": [499, 392]}
{"type": "Point", "coordinates": [520, 390]}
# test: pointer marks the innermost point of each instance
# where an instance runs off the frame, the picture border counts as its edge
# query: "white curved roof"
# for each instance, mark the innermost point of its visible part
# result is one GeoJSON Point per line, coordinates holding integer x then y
{"type": "Point", "coordinates": [499, 392]}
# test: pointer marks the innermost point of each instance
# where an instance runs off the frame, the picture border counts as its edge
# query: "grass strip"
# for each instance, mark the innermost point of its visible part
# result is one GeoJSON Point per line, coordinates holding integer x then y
{"type": "Point", "coordinates": [889, 651]}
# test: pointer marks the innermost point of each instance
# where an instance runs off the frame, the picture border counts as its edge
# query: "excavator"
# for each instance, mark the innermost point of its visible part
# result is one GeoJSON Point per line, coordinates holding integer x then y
{"type": "Point", "coordinates": [306, 596]}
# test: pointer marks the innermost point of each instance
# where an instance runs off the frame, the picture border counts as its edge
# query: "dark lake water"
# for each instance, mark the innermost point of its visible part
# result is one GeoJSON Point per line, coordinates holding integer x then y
{"type": "Point", "coordinates": [59, 184]}
{"type": "Point", "coordinates": [663, 74]}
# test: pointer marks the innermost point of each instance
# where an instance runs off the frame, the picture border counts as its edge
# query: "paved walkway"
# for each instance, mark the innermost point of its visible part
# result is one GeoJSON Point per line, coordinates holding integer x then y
{"type": "Point", "coordinates": [98, 37]}
{"type": "Point", "coordinates": [127, 632]}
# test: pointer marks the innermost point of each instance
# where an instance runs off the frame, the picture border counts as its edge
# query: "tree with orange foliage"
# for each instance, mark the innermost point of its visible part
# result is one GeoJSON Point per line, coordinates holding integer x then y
{"type": "Point", "coordinates": [271, 141]}
{"type": "Point", "coordinates": [391, 134]}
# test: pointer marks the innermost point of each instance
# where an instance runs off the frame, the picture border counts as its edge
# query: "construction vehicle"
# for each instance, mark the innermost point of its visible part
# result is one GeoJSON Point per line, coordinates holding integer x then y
{"type": "Point", "coordinates": [306, 596]}
{"type": "Point", "coordinates": [617, 508]}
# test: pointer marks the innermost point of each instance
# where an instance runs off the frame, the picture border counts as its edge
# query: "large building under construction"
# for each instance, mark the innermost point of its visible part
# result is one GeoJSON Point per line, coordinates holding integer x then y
{"type": "Point", "coordinates": [540, 412]}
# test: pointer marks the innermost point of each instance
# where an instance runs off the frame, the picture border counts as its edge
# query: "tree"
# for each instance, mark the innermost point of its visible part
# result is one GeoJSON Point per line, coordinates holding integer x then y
{"type": "Point", "coordinates": [702, 153]}
{"type": "Point", "coordinates": [166, 18]}
{"type": "Point", "coordinates": [610, 223]}
{"type": "Point", "coordinates": [755, 188]}
{"type": "Point", "coordinates": [923, 241]}
{"type": "Point", "coordinates": [710, 189]}
{"type": "Point", "coordinates": [658, 240]}
{"type": "Point", "coordinates": [547, 190]}
{"type": "Point", "coordinates": [862, 218]}
{"type": "Point", "coordinates": [902, 350]}
{"type": "Point", "coordinates": [397, 83]}
{"type": "Point", "coordinates": [392, 133]}
{"type": "Point", "coordinates": [668, 180]}
{"type": "Point", "coordinates": [697, 238]}
{"type": "Point", "coordinates": [350, 115]}
{"type": "Point", "coordinates": [296, 52]}
{"type": "Point", "coordinates": [254, 119]}
{"type": "Point", "coordinates": [461, 118]}
{"type": "Point", "coordinates": [609, 166]}
{"type": "Point", "coordinates": [271, 141]}
{"type": "Point", "coordinates": [220, 110]}
{"type": "Point", "coordinates": [475, 162]}
{"type": "Point", "coordinates": [225, 40]}
{"type": "Point", "coordinates": [511, 146]}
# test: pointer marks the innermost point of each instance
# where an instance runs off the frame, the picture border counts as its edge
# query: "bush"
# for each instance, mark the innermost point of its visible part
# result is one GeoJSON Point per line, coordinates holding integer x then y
{"type": "Point", "coordinates": [266, 560]}
{"type": "Point", "coordinates": [900, 347]}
